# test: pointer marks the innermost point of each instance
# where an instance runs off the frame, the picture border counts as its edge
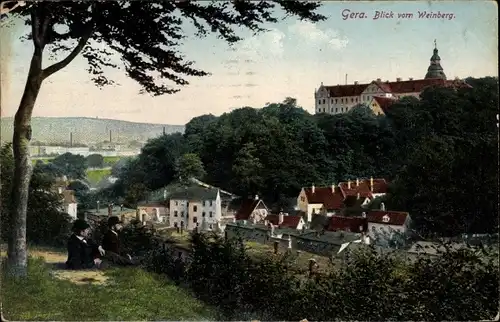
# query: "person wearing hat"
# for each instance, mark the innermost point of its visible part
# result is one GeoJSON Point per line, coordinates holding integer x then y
{"type": "Point", "coordinates": [111, 243]}
{"type": "Point", "coordinates": [83, 253]}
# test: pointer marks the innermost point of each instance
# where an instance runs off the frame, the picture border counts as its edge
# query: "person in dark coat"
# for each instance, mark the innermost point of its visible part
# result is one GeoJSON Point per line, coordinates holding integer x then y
{"type": "Point", "coordinates": [111, 243]}
{"type": "Point", "coordinates": [83, 253]}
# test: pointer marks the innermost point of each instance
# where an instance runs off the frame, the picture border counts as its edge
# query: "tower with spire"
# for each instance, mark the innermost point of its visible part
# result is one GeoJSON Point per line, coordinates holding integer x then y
{"type": "Point", "coordinates": [435, 70]}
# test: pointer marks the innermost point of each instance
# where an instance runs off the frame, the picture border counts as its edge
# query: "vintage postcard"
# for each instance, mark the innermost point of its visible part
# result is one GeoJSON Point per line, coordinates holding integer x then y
{"type": "Point", "coordinates": [249, 160]}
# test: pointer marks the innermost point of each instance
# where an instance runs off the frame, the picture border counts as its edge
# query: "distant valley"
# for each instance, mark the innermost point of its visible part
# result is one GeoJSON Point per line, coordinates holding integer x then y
{"type": "Point", "coordinates": [88, 130]}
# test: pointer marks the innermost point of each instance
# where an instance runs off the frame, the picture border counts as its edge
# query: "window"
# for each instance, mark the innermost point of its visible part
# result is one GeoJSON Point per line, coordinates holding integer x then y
{"type": "Point", "coordinates": [176, 203]}
{"type": "Point", "coordinates": [352, 100]}
{"type": "Point", "coordinates": [303, 199]}
{"type": "Point", "coordinates": [210, 203]}
{"type": "Point", "coordinates": [324, 101]}
{"type": "Point", "coordinates": [210, 214]}
{"type": "Point", "coordinates": [341, 100]}
{"type": "Point", "coordinates": [203, 214]}
{"type": "Point", "coordinates": [195, 208]}
{"type": "Point", "coordinates": [331, 101]}
{"type": "Point", "coordinates": [336, 110]}
{"type": "Point", "coordinates": [175, 213]}
{"type": "Point", "coordinates": [182, 213]}
{"type": "Point", "coordinates": [175, 225]}
{"type": "Point", "coordinates": [356, 99]}
{"type": "Point", "coordinates": [210, 226]}
{"type": "Point", "coordinates": [336, 100]}
{"type": "Point", "coordinates": [319, 102]}
{"type": "Point", "coordinates": [331, 110]}
{"type": "Point", "coordinates": [195, 220]}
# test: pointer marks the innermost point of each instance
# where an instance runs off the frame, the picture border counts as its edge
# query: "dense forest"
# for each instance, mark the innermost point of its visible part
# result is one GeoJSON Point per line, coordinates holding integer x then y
{"type": "Point", "coordinates": [439, 153]}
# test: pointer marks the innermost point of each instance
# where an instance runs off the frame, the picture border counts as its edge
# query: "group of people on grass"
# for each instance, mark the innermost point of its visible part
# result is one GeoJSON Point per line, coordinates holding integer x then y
{"type": "Point", "coordinates": [84, 253]}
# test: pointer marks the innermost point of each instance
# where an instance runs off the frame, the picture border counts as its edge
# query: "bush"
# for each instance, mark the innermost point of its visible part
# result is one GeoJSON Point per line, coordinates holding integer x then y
{"type": "Point", "coordinates": [457, 285]}
{"type": "Point", "coordinates": [51, 229]}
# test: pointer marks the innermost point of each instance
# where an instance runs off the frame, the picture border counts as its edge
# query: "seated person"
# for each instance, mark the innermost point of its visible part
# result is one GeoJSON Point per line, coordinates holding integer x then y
{"type": "Point", "coordinates": [111, 243]}
{"type": "Point", "coordinates": [83, 253]}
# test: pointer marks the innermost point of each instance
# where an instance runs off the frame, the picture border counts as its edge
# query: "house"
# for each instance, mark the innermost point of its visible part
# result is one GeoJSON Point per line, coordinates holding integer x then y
{"type": "Point", "coordinates": [283, 220]}
{"type": "Point", "coordinates": [343, 98]}
{"type": "Point", "coordinates": [382, 222]}
{"type": "Point", "coordinates": [349, 224]}
{"type": "Point", "coordinates": [154, 211]}
{"type": "Point", "coordinates": [329, 201]}
{"type": "Point", "coordinates": [69, 204]}
{"type": "Point", "coordinates": [192, 206]}
{"type": "Point", "coordinates": [379, 104]}
{"type": "Point", "coordinates": [254, 210]}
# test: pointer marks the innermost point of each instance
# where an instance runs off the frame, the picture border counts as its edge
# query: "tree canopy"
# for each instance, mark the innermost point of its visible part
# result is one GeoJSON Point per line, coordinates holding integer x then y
{"type": "Point", "coordinates": [438, 152]}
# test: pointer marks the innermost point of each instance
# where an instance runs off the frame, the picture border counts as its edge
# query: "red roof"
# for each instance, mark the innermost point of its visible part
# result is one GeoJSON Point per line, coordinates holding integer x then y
{"type": "Point", "coordinates": [288, 221]}
{"type": "Point", "coordinates": [346, 90]}
{"type": "Point", "coordinates": [401, 87]}
{"type": "Point", "coordinates": [396, 218]}
{"type": "Point", "coordinates": [246, 209]}
{"type": "Point", "coordinates": [325, 196]}
{"type": "Point", "coordinates": [384, 102]}
{"type": "Point", "coordinates": [364, 187]}
{"type": "Point", "coordinates": [352, 224]}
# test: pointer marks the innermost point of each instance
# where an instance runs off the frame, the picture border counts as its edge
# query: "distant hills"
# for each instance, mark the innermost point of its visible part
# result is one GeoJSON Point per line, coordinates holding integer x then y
{"type": "Point", "coordinates": [88, 130]}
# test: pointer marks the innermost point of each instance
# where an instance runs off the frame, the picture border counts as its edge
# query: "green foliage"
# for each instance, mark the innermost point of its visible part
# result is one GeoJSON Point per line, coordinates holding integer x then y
{"type": "Point", "coordinates": [189, 166]}
{"type": "Point", "coordinates": [46, 224]}
{"type": "Point", "coordinates": [456, 285]}
{"type": "Point", "coordinates": [95, 161]}
{"type": "Point", "coordinates": [71, 165]}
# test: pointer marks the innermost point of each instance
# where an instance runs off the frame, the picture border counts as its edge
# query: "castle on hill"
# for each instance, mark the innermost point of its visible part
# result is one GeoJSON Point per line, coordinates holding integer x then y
{"type": "Point", "coordinates": [378, 94]}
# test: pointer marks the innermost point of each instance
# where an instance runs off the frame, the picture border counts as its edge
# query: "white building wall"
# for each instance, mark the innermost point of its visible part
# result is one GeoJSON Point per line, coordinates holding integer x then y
{"type": "Point", "coordinates": [71, 209]}
{"type": "Point", "coordinates": [178, 212]}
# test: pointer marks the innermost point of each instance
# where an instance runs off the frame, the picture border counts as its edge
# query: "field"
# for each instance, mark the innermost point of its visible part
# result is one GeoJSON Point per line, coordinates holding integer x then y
{"type": "Point", "coordinates": [120, 294]}
{"type": "Point", "coordinates": [96, 175]}
{"type": "Point", "coordinates": [108, 161]}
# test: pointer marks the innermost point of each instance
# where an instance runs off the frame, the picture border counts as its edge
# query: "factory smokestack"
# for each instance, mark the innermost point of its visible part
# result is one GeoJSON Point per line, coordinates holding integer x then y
{"type": "Point", "coordinates": [163, 130]}
{"type": "Point", "coordinates": [110, 138]}
{"type": "Point", "coordinates": [70, 139]}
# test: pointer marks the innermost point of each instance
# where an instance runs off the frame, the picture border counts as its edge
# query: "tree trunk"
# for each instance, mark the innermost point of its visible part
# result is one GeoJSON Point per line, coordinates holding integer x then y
{"type": "Point", "coordinates": [17, 252]}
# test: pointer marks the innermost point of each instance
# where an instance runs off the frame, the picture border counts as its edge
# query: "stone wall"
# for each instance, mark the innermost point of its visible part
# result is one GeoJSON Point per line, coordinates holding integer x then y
{"type": "Point", "coordinates": [319, 247]}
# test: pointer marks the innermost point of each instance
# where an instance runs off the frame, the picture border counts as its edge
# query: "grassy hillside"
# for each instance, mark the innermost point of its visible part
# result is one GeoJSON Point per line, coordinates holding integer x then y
{"type": "Point", "coordinates": [88, 130]}
{"type": "Point", "coordinates": [94, 176]}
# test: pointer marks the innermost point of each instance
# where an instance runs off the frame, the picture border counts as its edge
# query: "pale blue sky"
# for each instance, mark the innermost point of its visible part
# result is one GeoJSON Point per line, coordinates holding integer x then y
{"type": "Point", "coordinates": [292, 59]}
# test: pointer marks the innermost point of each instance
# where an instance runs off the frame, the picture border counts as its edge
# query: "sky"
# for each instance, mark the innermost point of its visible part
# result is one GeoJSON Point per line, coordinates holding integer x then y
{"type": "Point", "coordinates": [292, 59]}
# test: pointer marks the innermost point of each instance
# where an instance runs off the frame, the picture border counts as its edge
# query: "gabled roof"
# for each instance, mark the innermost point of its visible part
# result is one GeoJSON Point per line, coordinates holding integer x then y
{"type": "Point", "coordinates": [364, 187]}
{"type": "Point", "coordinates": [346, 90]}
{"type": "Point", "coordinates": [247, 207]}
{"type": "Point", "coordinates": [288, 221]}
{"type": "Point", "coordinates": [384, 102]}
{"type": "Point", "coordinates": [397, 218]}
{"type": "Point", "coordinates": [194, 194]}
{"type": "Point", "coordinates": [351, 224]}
{"type": "Point", "coordinates": [324, 195]}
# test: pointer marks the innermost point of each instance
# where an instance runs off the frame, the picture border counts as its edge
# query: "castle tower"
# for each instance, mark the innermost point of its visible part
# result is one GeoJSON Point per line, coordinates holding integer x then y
{"type": "Point", "coordinates": [435, 70]}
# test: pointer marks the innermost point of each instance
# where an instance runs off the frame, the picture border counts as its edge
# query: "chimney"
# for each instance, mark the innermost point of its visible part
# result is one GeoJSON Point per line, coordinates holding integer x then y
{"type": "Point", "coordinates": [70, 139]}
{"type": "Point", "coordinates": [121, 207]}
{"type": "Point", "coordinates": [371, 184]}
{"type": "Point", "coordinates": [379, 80]}
{"type": "Point", "coordinates": [110, 137]}
{"type": "Point", "coordinates": [357, 182]}
{"type": "Point", "coordinates": [163, 130]}
{"type": "Point", "coordinates": [411, 78]}
{"type": "Point", "coordinates": [280, 218]}
{"type": "Point", "coordinates": [313, 188]}
{"type": "Point", "coordinates": [333, 188]}
{"type": "Point", "coordinates": [358, 195]}
{"type": "Point", "coordinates": [382, 206]}
{"type": "Point", "coordinates": [356, 83]}
{"type": "Point", "coordinates": [363, 214]}
{"type": "Point", "coordinates": [348, 184]}
{"type": "Point", "coordinates": [256, 197]}
{"type": "Point", "coordinates": [165, 194]}
{"type": "Point", "coordinates": [266, 222]}
{"type": "Point", "coordinates": [398, 79]}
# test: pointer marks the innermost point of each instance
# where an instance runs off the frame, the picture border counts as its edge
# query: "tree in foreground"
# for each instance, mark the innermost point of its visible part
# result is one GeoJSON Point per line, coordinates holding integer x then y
{"type": "Point", "coordinates": [143, 37]}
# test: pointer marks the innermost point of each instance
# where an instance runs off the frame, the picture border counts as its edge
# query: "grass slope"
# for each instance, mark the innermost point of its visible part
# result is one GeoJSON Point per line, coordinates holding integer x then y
{"type": "Point", "coordinates": [96, 175]}
{"type": "Point", "coordinates": [127, 294]}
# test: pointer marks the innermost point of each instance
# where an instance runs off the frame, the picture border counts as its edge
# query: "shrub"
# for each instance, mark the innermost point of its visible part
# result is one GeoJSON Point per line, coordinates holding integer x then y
{"type": "Point", "coordinates": [457, 285]}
